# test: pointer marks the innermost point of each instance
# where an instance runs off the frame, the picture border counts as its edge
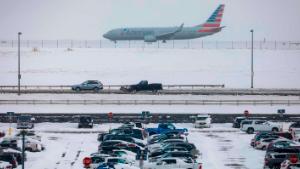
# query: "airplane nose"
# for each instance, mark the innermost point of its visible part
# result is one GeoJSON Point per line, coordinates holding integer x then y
{"type": "Point", "coordinates": [106, 35]}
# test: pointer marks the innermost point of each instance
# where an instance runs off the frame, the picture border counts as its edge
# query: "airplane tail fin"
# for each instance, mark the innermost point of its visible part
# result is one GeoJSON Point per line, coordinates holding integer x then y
{"type": "Point", "coordinates": [213, 23]}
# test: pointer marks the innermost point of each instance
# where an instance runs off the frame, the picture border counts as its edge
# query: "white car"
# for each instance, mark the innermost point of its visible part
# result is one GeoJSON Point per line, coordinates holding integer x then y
{"type": "Point", "coordinates": [5, 165]}
{"type": "Point", "coordinates": [202, 121]}
{"type": "Point", "coordinates": [32, 145]}
{"type": "Point", "coordinates": [159, 145]}
{"type": "Point", "coordinates": [173, 163]}
{"type": "Point", "coordinates": [263, 143]}
{"type": "Point", "coordinates": [128, 155]}
{"type": "Point", "coordinates": [251, 126]}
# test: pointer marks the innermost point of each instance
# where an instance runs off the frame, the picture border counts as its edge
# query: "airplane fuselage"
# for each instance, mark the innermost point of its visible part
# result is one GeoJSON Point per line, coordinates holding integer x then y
{"type": "Point", "coordinates": [140, 33]}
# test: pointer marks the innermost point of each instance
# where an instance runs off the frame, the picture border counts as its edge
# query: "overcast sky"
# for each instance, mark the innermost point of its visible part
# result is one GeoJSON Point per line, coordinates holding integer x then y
{"type": "Point", "coordinates": [89, 19]}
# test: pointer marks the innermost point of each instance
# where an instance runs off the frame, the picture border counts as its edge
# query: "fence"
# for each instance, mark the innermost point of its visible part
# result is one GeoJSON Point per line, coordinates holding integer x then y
{"type": "Point", "coordinates": [178, 44]}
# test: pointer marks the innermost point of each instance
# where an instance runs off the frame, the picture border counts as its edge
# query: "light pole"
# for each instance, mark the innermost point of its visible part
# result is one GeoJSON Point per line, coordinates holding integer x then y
{"type": "Point", "coordinates": [23, 133]}
{"type": "Point", "coordinates": [19, 72]}
{"type": "Point", "coordinates": [252, 71]}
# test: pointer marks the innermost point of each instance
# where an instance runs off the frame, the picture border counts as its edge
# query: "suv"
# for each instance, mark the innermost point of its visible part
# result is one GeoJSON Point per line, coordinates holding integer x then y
{"type": "Point", "coordinates": [85, 122]}
{"type": "Point", "coordinates": [88, 85]}
{"type": "Point", "coordinates": [25, 122]}
{"type": "Point", "coordinates": [250, 126]}
{"type": "Point", "coordinates": [202, 121]}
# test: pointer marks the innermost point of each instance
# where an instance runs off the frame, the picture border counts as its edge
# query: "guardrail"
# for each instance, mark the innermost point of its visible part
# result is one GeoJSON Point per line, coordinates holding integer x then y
{"type": "Point", "coordinates": [67, 87]}
{"type": "Point", "coordinates": [155, 102]}
{"type": "Point", "coordinates": [155, 117]}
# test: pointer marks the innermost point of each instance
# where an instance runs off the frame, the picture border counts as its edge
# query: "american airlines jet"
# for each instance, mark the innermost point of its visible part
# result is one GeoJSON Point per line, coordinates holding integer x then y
{"type": "Point", "coordinates": [153, 34]}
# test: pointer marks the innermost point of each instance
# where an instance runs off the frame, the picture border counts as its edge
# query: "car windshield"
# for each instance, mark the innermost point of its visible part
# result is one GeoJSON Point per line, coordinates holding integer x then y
{"type": "Point", "coordinates": [24, 118]}
{"type": "Point", "coordinates": [85, 119]}
{"type": "Point", "coordinates": [201, 118]}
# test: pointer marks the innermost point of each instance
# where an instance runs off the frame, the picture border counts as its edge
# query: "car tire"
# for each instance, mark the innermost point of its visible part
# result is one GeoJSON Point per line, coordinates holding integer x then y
{"type": "Point", "coordinates": [77, 89]}
{"type": "Point", "coordinates": [96, 89]}
{"type": "Point", "coordinates": [275, 129]}
{"type": "Point", "coordinates": [250, 130]}
{"type": "Point", "coordinates": [264, 148]}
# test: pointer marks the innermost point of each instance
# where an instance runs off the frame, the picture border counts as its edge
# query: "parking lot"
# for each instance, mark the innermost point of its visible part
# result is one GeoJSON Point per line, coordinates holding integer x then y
{"type": "Point", "coordinates": [221, 146]}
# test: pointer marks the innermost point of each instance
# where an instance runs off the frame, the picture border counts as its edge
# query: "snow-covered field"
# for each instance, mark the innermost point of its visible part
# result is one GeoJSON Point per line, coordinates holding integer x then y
{"type": "Point", "coordinates": [222, 147]}
{"type": "Point", "coordinates": [273, 68]}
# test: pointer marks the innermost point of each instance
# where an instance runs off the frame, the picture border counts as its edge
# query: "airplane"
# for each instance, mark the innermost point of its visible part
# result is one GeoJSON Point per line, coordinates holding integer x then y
{"type": "Point", "coordinates": [153, 34]}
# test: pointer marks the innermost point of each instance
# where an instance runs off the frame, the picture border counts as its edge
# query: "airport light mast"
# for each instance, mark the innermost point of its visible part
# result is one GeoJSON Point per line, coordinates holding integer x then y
{"type": "Point", "coordinates": [252, 71]}
{"type": "Point", "coordinates": [19, 64]}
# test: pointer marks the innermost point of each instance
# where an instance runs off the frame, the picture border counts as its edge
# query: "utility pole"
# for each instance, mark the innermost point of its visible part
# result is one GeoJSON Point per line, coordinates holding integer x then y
{"type": "Point", "coordinates": [19, 64]}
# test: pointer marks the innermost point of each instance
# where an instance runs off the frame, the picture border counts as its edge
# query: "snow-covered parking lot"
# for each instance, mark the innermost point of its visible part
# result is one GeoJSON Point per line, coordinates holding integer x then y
{"type": "Point", "coordinates": [221, 146]}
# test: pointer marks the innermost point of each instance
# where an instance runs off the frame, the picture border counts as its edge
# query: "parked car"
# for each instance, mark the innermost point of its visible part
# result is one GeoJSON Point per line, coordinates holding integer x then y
{"type": "Point", "coordinates": [174, 163]}
{"type": "Point", "coordinates": [159, 145]}
{"type": "Point", "coordinates": [282, 143]}
{"type": "Point", "coordinates": [128, 155]}
{"type": "Point", "coordinates": [132, 132]}
{"type": "Point", "coordinates": [10, 159]}
{"type": "Point", "coordinates": [88, 85]}
{"type": "Point", "coordinates": [97, 159]}
{"type": "Point", "coordinates": [5, 165]}
{"type": "Point", "coordinates": [202, 121]}
{"type": "Point", "coordinates": [163, 128]}
{"type": "Point", "coordinates": [295, 125]}
{"type": "Point", "coordinates": [251, 126]}
{"type": "Point", "coordinates": [16, 153]}
{"type": "Point", "coordinates": [189, 146]}
{"type": "Point", "coordinates": [33, 145]}
{"type": "Point", "coordinates": [25, 122]}
{"type": "Point", "coordinates": [237, 122]}
{"type": "Point", "coordinates": [142, 86]}
{"type": "Point", "coordinates": [2, 134]}
{"type": "Point", "coordinates": [85, 122]}
{"type": "Point", "coordinates": [273, 159]}
{"type": "Point", "coordinates": [10, 143]}
{"type": "Point", "coordinates": [291, 163]}
{"type": "Point", "coordinates": [264, 143]}
{"type": "Point", "coordinates": [124, 138]}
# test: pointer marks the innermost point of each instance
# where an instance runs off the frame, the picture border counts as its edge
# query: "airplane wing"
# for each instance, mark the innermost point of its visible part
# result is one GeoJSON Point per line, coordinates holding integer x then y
{"type": "Point", "coordinates": [169, 34]}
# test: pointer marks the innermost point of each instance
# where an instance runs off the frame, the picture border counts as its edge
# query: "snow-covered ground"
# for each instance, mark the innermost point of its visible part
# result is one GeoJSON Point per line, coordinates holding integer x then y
{"type": "Point", "coordinates": [273, 68]}
{"type": "Point", "coordinates": [221, 146]}
{"type": "Point", "coordinates": [32, 108]}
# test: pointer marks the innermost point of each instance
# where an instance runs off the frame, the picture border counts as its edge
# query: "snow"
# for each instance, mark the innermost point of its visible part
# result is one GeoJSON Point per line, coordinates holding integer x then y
{"type": "Point", "coordinates": [273, 68]}
{"type": "Point", "coordinates": [221, 146]}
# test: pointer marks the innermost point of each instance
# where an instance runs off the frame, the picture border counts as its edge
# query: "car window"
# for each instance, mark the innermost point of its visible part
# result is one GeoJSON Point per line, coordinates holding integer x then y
{"type": "Point", "coordinates": [171, 127]}
{"type": "Point", "coordinates": [169, 161]}
{"type": "Point", "coordinates": [163, 126]}
{"type": "Point", "coordinates": [259, 122]}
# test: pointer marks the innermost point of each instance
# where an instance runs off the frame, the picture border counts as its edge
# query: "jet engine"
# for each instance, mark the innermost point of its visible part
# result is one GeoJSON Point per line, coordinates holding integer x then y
{"type": "Point", "coordinates": [150, 38]}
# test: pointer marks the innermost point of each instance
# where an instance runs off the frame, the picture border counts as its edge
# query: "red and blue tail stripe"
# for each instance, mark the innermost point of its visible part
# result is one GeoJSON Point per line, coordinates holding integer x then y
{"type": "Point", "coordinates": [213, 23]}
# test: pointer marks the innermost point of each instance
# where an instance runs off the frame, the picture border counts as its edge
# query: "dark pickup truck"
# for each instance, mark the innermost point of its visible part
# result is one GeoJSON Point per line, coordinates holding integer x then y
{"type": "Point", "coordinates": [142, 86]}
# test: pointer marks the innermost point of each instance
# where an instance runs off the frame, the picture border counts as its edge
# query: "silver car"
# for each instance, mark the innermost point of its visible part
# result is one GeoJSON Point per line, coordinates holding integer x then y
{"type": "Point", "coordinates": [88, 85]}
